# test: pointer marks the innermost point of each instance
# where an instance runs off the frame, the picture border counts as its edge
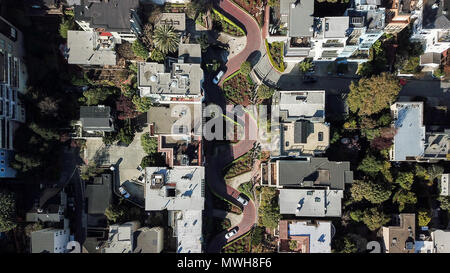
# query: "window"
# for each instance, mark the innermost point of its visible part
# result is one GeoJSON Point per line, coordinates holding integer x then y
{"type": "Point", "coordinates": [320, 136]}
{"type": "Point", "coordinates": [287, 143]}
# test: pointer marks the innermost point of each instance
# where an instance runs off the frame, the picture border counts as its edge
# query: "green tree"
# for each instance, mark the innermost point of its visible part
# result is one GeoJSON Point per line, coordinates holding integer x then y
{"type": "Point", "coordinates": [257, 235]}
{"type": "Point", "coordinates": [30, 228]}
{"type": "Point", "coordinates": [139, 49]}
{"type": "Point", "coordinates": [153, 160]}
{"type": "Point", "coordinates": [345, 245]}
{"type": "Point", "coordinates": [374, 218]}
{"type": "Point", "coordinates": [157, 56]}
{"type": "Point", "coordinates": [149, 143]}
{"type": "Point", "coordinates": [7, 211]}
{"type": "Point", "coordinates": [65, 25]}
{"type": "Point", "coordinates": [142, 104]}
{"type": "Point", "coordinates": [95, 96]}
{"type": "Point", "coordinates": [372, 95]}
{"type": "Point", "coordinates": [405, 180]}
{"type": "Point", "coordinates": [273, 3]}
{"type": "Point", "coordinates": [269, 211]}
{"type": "Point", "coordinates": [370, 165]}
{"type": "Point", "coordinates": [45, 133]}
{"type": "Point", "coordinates": [357, 215]}
{"type": "Point", "coordinates": [293, 245]}
{"type": "Point", "coordinates": [265, 92]}
{"type": "Point", "coordinates": [445, 202]}
{"type": "Point", "coordinates": [403, 198]}
{"type": "Point", "coordinates": [165, 39]}
{"type": "Point", "coordinates": [305, 65]}
{"type": "Point", "coordinates": [424, 217]}
{"type": "Point", "coordinates": [372, 192]}
{"type": "Point", "coordinates": [114, 213]}
{"type": "Point", "coordinates": [246, 68]}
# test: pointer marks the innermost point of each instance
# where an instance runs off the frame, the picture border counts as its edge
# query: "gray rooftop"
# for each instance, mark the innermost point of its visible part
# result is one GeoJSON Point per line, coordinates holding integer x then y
{"type": "Point", "coordinates": [83, 49]}
{"type": "Point", "coordinates": [99, 194]}
{"type": "Point", "coordinates": [410, 136]}
{"type": "Point", "coordinates": [436, 17]}
{"type": "Point", "coordinates": [335, 27]}
{"type": "Point", "coordinates": [430, 58]}
{"type": "Point", "coordinates": [149, 240]}
{"type": "Point", "coordinates": [180, 188]}
{"type": "Point", "coordinates": [441, 241]}
{"type": "Point", "coordinates": [43, 241]}
{"type": "Point", "coordinates": [301, 104]}
{"type": "Point", "coordinates": [300, 17]}
{"type": "Point", "coordinates": [168, 119]}
{"type": "Point", "coordinates": [314, 172]}
{"type": "Point", "coordinates": [113, 15]}
{"type": "Point", "coordinates": [176, 20]}
{"type": "Point", "coordinates": [183, 80]}
{"type": "Point", "coordinates": [96, 118]}
{"type": "Point", "coordinates": [311, 203]}
{"type": "Point", "coordinates": [191, 53]}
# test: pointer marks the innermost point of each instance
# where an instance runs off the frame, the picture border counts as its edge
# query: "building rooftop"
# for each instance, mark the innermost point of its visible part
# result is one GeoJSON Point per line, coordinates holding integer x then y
{"type": "Point", "coordinates": [311, 202]}
{"type": "Point", "coordinates": [112, 15]}
{"type": "Point", "coordinates": [99, 194]}
{"type": "Point", "coordinates": [445, 184]}
{"type": "Point", "coordinates": [437, 145]}
{"type": "Point", "coordinates": [183, 80]}
{"type": "Point", "coordinates": [191, 53]}
{"type": "Point", "coordinates": [301, 104]}
{"type": "Point", "coordinates": [180, 188]}
{"type": "Point", "coordinates": [87, 48]}
{"type": "Point", "coordinates": [96, 118]}
{"type": "Point", "coordinates": [441, 240]}
{"type": "Point", "coordinates": [436, 14]}
{"type": "Point", "coordinates": [400, 237]}
{"type": "Point", "coordinates": [120, 238]}
{"type": "Point", "coordinates": [409, 140]}
{"type": "Point", "coordinates": [176, 20]}
{"type": "Point", "coordinates": [46, 241]}
{"type": "Point", "coordinates": [335, 27]}
{"type": "Point", "coordinates": [314, 172]}
{"type": "Point", "coordinates": [188, 231]}
{"type": "Point", "coordinates": [175, 119]}
{"type": "Point", "coordinates": [149, 240]}
{"type": "Point", "coordinates": [430, 58]}
{"type": "Point", "coordinates": [311, 236]}
{"type": "Point", "coordinates": [301, 19]}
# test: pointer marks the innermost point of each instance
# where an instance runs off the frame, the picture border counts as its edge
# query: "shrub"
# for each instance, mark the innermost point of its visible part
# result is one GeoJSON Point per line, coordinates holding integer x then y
{"type": "Point", "coordinates": [139, 49]}
{"type": "Point", "coordinates": [149, 143]}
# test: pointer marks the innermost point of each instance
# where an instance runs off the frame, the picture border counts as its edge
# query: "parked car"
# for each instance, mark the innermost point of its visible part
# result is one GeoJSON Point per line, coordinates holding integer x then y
{"type": "Point", "coordinates": [402, 82]}
{"type": "Point", "coordinates": [231, 233]}
{"type": "Point", "coordinates": [309, 79]}
{"type": "Point", "coordinates": [242, 200]}
{"type": "Point", "coordinates": [139, 168]}
{"type": "Point", "coordinates": [218, 77]}
{"type": "Point", "coordinates": [124, 192]}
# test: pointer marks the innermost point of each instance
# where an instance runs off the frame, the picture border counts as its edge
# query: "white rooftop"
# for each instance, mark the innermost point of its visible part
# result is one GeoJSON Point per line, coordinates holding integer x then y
{"type": "Point", "coordinates": [181, 188]}
{"type": "Point", "coordinates": [445, 183]}
{"type": "Point", "coordinates": [86, 48]}
{"type": "Point", "coordinates": [319, 234]}
{"type": "Point", "coordinates": [306, 104]}
{"type": "Point", "coordinates": [311, 202]}
{"type": "Point", "coordinates": [120, 238]}
{"type": "Point", "coordinates": [189, 231]}
{"type": "Point", "coordinates": [441, 240]}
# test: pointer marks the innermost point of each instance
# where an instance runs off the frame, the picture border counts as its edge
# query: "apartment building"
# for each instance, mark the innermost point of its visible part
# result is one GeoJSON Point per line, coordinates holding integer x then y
{"type": "Point", "coordinates": [13, 77]}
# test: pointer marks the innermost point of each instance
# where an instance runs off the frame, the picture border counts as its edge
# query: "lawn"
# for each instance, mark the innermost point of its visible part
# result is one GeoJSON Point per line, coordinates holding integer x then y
{"type": "Point", "coordinates": [254, 8]}
{"type": "Point", "coordinates": [237, 89]}
{"type": "Point", "coordinates": [276, 51]}
{"type": "Point", "coordinates": [241, 165]}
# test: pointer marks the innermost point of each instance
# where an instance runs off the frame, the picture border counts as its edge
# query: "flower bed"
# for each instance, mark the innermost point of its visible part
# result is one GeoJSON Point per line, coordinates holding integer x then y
{"type": "Point", "coordinates": [254, 8]}
{"type": "Point", "coordinates": [239, 166]}
{"type": "Point", "coordinates": [275, 52]}
{"type": "Point", "coordinates": [228, 26]}
{"type": "Point", "coordinates": [237, 88]}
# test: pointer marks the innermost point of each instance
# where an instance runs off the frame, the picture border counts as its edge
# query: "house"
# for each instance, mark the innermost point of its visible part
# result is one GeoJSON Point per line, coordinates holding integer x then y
{"type": "Point", "coordinates": [50, 207]}
{"type": "Point", "coordinates": [120, 238]}
{"type": "Point", "coordinates": [330, 37]}
{"type": "Point", "coordinates": [149, 240]}
{"type": "Point", "coordinates": [13, 77]}
{"type": "Point", "coordinates": [98, 194]}
{"type": "Point", "coordinates": [310, 236]}
{"type": "Point", "coordinates": [180, 191]}
{"type": "Point", "coordinates": [178, 128]}
{"type": "Point", "coordinates": [49, 240]}
{"type": "Point", "coordinates": [302, 129]}
{"type": "Point", "coordinates": [307, 172]}
{"type": "Point", "coordinates": [445, 184]}
{"type": "Point", "coordinates": [114, 17]}
{"type": "Point", "coordinates": [399, 15]}
{"type": "Point", "coordinates": [432, 29]}
{"type": "Point", "coordinates": [95, 120]}
{"type": "Point", "coordinates": [441, 241]}
{"type": "Point", "coordinates": [89, 48]}
{"type": "Point", "coordinates": [175, 20]}
{"type": "Point", "coordinates": [411, 141]}
{"type": "Point", "coordinates": [182, 82]}
{"type": "Point", "coordinates": [400, 237]}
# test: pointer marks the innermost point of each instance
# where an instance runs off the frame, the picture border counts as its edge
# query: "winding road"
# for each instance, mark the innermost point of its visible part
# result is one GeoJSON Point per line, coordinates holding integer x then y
{"type": "Point", "coordinates": [219, 156]}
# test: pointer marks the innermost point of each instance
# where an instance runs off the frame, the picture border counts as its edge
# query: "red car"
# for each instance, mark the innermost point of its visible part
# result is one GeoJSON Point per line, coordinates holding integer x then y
{"type": "Point", "coordinates": [402, 82]}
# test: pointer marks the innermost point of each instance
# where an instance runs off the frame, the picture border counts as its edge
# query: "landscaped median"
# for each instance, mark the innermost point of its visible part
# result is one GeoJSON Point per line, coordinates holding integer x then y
{"type": "Point", "coordinates": [239, 166]}
{"type": "Point", "coordinates": [275, 52]}
{"type": "Point", "coordinates": [237, 88]}
{"type": "Point", "coordinates": [227, 25]}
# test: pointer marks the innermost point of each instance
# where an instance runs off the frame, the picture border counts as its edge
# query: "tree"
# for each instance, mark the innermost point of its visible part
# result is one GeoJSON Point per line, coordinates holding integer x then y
{"type": "Point", "coordinates": [95, 96]}
{"type": "Point", "coordinates": [356, 215]}
{"type": "Point", "coordinates": [434, 172]}
{"type": "Point", "coordinates": [126, 134]}
{"type": "Point", "coordinates": [203, 41]}
{"type": "Point", "coordinates": [157, 56]}
{"type": "Point", "coordinates": [345, 245]}
{"type": "Point", "coordinates": [370, 165]}
{"type": "Point", "coordinates": [372, 95]}
{"type": "Point", "coordinates": [374, 219]}
{"type": "Point", "coordinates": [380, 143]}
{"type": "Point", "coordinates": [142, 104]}
{"type": "Point", "coordinates": [49, 106]}
{"type": "Point", "coordinates": [257, 235]}
{"type": "Point", "coordinates": [445, 202]}
{"type": "Point", "coordinates": [404, 197]}
{"type": "Point", "coordinates": [265, 92]}
{"type": "Point", "coordinates": [165, 39]}
{"type": "Point", "coordinates": [405, 180]}
{"type": "Point", "coordinates": [139, 49]}
{"type": "Point", "coordinates": [372, 192]}
{"type": "Point", "coordinates": [200, 6]}
{"type": "Point", "coordinates": [153, 160]}
{"type": "Point", "coordinates": [273, 3]}
{"type": "Point", "coordinates": [64, 26]}
{"type": "Point", "coordinates": [246, 68]}
{"type": "Point", "coordinates": [293, 245]}
{"type": "Point", "coordinates": [149, 143]}
{"type": "Point", "coordinates": [126, 108]}
{"type": "Point", "coordinates": [424, 217]}
{"type": "Point", "coordinates": [114, 213]}
{"type": "Point", "coordinates": [45, 133]}
{"type": "Point", "coordinates": [7, 211]}
{"type": "Point", "coordinates": [30, 228]}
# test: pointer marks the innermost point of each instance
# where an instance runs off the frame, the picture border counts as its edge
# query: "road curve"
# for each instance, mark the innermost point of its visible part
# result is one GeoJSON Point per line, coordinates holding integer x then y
{"type": "Point", "coordinates": [253, 34]}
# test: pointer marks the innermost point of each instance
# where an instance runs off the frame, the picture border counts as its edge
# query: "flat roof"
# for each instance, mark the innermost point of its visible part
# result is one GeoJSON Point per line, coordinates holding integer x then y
{"type": "Point", "coordinates": [302, 104]}
{"type": "Point", "coordinates": [319, 234]}
{"type": "Point", "coordinates": [301, 17]}
{"type": "Point", "coordinates": [442, 241]}
{"type": "Point", "coordinates": [169, 118]}
{"type": "Point", "coordinates": [409, 141]}
{"type": "Point", "coordinates": [192, 53]}
{"type": "Point", "coordinates": [335, 27]}
{"type": "Point", "coordinates": [311, 202]}
{"type": "Point", "coordinates": [398, 238]}
{"type": "Point", "coordinates": [82, 50]}
{"type": "Point", "coordinates": [99, 194]}
{"type": "Point", "coordinates": [176, 20]}
{"type": "Point", "coordinates": [182, 188]}
{"type": "Point", "coordinates": [189, 231]}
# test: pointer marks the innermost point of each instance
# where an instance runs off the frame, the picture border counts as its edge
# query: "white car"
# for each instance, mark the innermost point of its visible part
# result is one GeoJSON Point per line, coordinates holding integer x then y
{"type": "Point", "coordinates": [218, 77]}
{"type": "Point", "coordinates": [124, 193]}
{"type": "Point", "coordinates": [231, 233]}
{"type": "Point", "coordinates": [242, 200]}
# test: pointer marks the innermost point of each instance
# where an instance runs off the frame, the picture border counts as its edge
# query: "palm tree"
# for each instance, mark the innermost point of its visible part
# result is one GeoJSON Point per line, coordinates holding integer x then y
{"type": "Point", "coordinates": [165, 39]}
